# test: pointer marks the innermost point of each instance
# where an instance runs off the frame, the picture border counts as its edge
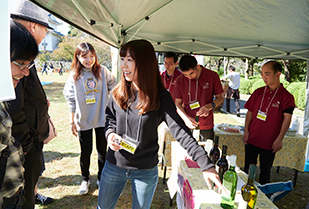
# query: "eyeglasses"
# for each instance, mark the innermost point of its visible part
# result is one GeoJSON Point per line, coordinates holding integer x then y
{"type": "Point", "coordinates": [23, 67]}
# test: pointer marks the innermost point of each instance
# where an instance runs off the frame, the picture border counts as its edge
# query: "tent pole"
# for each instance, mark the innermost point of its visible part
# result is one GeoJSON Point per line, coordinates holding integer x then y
{"type": "Point", "coordinates": [306, 116]}
{"type": "Point", "coordinates": [115, 63]}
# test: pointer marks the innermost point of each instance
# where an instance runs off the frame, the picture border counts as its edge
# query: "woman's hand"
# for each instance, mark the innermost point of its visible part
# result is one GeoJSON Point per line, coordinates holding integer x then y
{"type": "Point", "coordinates": [73, 129]}
{"type": "Point", "coordinates": [211, 174]}
{"type": "Point", "coordinates": [190, 122]}
{"type": "Point", "coordinates": [113, 141]}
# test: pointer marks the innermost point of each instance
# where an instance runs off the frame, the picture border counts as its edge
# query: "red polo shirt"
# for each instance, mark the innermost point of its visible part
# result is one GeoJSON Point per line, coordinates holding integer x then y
{"type": "Point", "coordinates": [209, 85]}
{"type": "Point", "coordinates": [263, 133]}
{"type": "Point", "coordinates": [169, 82]}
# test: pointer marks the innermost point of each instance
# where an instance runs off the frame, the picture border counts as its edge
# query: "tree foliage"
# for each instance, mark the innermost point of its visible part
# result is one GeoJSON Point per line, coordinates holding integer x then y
{"type": "Point", "coordinates": [68, 44]}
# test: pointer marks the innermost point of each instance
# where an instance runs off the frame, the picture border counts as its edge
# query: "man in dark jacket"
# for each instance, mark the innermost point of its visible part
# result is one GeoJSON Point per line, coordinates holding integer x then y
{"type": "Point", "coordinates": [29, 111]}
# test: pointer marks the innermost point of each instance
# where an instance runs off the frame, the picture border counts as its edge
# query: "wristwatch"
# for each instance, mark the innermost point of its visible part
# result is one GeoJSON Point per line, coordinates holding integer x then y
{"type": "Point", "coordinates": [213, 105]}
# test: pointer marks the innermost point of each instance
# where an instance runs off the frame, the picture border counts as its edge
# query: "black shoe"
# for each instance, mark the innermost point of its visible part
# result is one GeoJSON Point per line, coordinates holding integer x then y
{"type": "Point", "coordinates": [238, 114]}
{"type": "Point", "coordinates": [42, 200]}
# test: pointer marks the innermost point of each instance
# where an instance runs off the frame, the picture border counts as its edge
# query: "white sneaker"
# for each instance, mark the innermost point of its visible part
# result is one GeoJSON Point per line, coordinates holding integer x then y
{"type": "Point", "coordinates": [84, 187]}
{"type": "Point", "coordinates": [98, 184]}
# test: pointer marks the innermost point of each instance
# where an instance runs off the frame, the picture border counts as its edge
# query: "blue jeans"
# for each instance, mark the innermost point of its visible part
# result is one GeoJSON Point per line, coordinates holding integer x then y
{"type": "Point", "coordinates": [114, 179]}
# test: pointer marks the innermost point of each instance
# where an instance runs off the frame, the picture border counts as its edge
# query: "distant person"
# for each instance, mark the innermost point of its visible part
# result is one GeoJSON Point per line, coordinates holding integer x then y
{"type": "Point", "coordinates": [270, 110]}
{"type": "Point", "coordinates": [196, 89]}
{"type": "Point", "coordinates": [138, 104]}
{"type": "Point", "coordinates": [233, 92]}
{"type": "Point", "coordinates": [44, 68]}
{"type": "Point", "coordinates": [171, 73]}
{"type": "Point", "coordinates": [23, 50]}
{"type": "Point", "coordinates": [51, 68]}
{"type": "Point", "coordinates": [87, 91]}
{"type": "Point", "coordinates": [29, 111]}
{"type": "Point", "coordinates": [61, 69]}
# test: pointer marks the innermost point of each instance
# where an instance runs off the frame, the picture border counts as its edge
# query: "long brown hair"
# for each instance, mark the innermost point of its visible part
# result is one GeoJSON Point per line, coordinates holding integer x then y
{"type": "Point", "coordinates": [148, 77]}
{"type": "Point", "coordinates": [77, 67]}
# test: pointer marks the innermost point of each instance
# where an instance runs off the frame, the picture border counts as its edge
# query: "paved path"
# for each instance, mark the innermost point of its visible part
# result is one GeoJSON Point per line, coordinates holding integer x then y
{"type": "Point", "coordinates": [243, 111]}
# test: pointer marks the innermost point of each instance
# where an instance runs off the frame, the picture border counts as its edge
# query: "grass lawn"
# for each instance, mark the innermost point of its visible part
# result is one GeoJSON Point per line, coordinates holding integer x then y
{"type": "Point", "coordinates": [61, 178]}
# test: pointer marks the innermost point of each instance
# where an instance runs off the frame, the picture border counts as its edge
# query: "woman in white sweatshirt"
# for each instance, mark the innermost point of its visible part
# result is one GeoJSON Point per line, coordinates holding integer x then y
{"type": "Point", "coordinates": [86, 91]}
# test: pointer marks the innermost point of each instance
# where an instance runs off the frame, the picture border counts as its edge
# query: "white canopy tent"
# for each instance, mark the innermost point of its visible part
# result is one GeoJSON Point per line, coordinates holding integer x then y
{"type": "Point", "coordinates": [276, 29]}
{"type": "Point", "coordinates": [246, 28]}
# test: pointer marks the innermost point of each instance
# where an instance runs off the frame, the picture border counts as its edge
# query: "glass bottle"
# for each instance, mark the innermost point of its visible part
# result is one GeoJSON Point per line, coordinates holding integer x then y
{"type": "Point", "coordinates": [214, 153]}
{"type": "Point", "coordinates": [196, 130]}
{"type": "Point", "coordinates": [230, 183]}
{"type": "Point", "coordinates": [249, 191]}
{"type": "Point", "coordinates": [222, 163]}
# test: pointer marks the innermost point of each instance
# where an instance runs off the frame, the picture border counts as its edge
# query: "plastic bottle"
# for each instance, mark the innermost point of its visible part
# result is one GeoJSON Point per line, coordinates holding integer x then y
{"type": "Point", "coordinates": [295, 125]}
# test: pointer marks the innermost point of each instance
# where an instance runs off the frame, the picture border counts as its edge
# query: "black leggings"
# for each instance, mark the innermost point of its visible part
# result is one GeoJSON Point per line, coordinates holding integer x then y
{"type": "Point", "coordinates": [85, 140]}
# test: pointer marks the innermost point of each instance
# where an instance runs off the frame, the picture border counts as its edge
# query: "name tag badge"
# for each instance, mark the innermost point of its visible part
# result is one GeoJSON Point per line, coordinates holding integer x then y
{"type": "Point", "coordinates": [90, 99]}
{"type": "Point", "coordinates": [194, 105]}
{"type": "Point", "coordinates": [129, 144]}
{"type": "Point", "coordinates": [261, 115]}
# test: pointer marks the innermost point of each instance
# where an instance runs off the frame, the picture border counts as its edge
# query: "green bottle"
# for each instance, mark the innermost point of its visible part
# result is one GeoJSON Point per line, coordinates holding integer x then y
{"type": "Point", "coordinates": [196, 130]}
{"type": "Point", "coordinates": [249, 191]}
{"type": "Point", "coordinates": [230, 183]}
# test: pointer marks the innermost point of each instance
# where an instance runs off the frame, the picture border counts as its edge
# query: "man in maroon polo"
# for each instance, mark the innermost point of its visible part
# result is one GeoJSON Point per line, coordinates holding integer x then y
{"type": "Point", "coordinates": [194, 94]}
{"type": "Point", "coordinates": [171, 73]}
{"type": "Point", "coordinates": [270, 110]}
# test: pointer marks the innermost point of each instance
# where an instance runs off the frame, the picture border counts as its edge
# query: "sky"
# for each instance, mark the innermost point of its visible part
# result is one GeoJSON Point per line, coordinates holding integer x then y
{"type": "Point", "coordinates": [64, 28]}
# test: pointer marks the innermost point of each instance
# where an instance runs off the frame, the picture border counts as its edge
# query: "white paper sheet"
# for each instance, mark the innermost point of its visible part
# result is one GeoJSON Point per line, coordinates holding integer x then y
{"type": "Point", "coordinates": [6, 85]}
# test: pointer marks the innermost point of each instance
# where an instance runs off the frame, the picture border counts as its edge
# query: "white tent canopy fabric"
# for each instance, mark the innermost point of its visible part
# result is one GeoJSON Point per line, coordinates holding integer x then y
{"type": "Point", "coordinates": [276, 29]}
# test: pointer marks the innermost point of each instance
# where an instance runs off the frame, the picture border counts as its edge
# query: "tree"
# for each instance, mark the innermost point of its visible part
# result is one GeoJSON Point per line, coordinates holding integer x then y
{"type": "Point", "coordinates": [251, 66]}
{"type": "Point", "coordinates": [294, 70]}
{"type": "Point", "coordinates": [67, 46]}
{"type": "Point", "coordinates": [286, 64]}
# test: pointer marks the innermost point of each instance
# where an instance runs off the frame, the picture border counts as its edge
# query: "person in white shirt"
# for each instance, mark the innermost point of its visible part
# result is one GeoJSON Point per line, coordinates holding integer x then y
{"type": "Point", "coordinates": [232, 92]}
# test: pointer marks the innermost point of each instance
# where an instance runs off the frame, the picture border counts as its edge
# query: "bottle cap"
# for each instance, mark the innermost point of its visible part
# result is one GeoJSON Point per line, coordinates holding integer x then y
{"type": "Point", "coordinates": [224, 149]}
{"type": "Point", "coordinates": [233, 160]}
{"type": "Point", "coordinates": [216, 140]}
{"type": "Point", "coordinates": [196, 118]}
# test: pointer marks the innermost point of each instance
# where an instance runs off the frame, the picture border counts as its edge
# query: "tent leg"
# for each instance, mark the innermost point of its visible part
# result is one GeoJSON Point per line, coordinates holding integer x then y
{"type": "Point", "coordinates": [295, 177]}
{"type": "Point", "coordinates": [171, 202]}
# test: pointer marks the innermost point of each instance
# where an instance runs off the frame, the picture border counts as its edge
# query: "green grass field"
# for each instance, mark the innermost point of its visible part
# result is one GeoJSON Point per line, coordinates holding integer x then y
{"type": "Point", "coordinates": [61, 178]}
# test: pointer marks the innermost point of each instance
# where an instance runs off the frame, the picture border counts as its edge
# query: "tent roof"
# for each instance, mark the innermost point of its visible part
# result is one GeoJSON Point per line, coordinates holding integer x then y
{"type": "Point", "coordinates": [256, 29]}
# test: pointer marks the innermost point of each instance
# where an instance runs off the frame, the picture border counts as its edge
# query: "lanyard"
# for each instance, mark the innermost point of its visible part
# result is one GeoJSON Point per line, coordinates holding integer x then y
{"type": "Point", "coordinates": [165, 81]}
{"type": "Point", "coordinates": [139, 124]}
{"type": "Point", "coordinates": [270, 100]}
{"type": "Point", "coordinates": [196, 88]}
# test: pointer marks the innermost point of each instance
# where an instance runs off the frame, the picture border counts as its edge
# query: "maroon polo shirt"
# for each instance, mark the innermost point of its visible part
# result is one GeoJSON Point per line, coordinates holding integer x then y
{"type": "Point", "coordinates": [209, 85]}
{"type": "Point", "coordinates": [169, 82]}
{"type": "Point", "coordinates": [263, 133]}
